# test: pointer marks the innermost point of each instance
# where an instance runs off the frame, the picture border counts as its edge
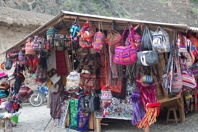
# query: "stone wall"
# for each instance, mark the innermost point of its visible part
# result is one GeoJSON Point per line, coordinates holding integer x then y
{"type": "Point", "coordinates": [11, 34]}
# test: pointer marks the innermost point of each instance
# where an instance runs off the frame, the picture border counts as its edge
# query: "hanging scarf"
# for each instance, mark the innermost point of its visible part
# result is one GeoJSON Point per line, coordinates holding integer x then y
{"type": "Point", "coordinates": [83, 118]}
{"type": "Point", "coordinates": [152, 111]}
{"type": "Point", "coordinates": [147, 93]}
{"type": "Point", "coordinates": [73, 113]}
{"type": "Point", "coordinates": [137, 111]}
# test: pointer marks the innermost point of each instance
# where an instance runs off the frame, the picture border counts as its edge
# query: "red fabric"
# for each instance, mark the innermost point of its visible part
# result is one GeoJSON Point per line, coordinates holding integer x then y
{"type": "Point", "coordinates": [61, 63]}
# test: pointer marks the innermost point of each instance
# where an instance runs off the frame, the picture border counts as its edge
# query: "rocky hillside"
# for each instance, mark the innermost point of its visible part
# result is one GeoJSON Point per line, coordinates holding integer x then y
{"type": "Point", "coordinates": [173, 11]}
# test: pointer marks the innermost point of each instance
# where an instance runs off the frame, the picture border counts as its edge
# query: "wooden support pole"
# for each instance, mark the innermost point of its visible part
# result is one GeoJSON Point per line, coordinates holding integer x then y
{"type": "Point", "coordinates": [146, 129]}
{"type": "Point", "coordinates": [98, 125]}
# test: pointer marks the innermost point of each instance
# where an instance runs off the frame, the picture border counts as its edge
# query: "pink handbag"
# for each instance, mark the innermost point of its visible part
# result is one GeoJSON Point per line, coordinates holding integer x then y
{"type": "Point", "coordinates": [126, 54]}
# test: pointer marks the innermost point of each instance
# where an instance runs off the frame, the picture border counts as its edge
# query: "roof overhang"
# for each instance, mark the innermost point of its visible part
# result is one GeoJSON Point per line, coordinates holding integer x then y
{"type": "Point", "coordinates": [70, 16]}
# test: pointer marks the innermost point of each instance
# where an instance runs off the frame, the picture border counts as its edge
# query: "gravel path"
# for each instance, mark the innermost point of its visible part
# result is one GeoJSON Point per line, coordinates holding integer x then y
{"type": "Point", "coordinates": [34, 119]}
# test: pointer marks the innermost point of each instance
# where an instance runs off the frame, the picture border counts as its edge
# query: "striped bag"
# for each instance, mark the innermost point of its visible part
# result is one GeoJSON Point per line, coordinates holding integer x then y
{"type": "Point", "coordinates": [98, 41]}
{"type": "Point", "coordinates": [37, 42]}
{"type": "Point", "coordinates": [177, 82]}
{"type": "Point", "coordinates": [194, 40]}
{"type": "Point", "coordinates": [22, 58]}
{"type": "Point", "coordinates": [188, 79]}
{"type": "Point", "coordinates": [194, 69]}
{"type": "Point", "coordinates": [126, 54]}
{"type": "Point", "coordinates": [13, 55]}
{"type": "Point", "coordinates": [29, 50]}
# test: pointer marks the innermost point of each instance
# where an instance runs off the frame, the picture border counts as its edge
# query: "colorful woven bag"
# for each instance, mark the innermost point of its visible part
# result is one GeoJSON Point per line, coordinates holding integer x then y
{"type": "Point", "coordinates": [125, 55]}
{"type": "Point", "coordinates": [194, 40]}
{"type": "Point", "coordinates": [13, 55]}
{"type": "Point", "coordinates": [177, 82]}
{"type": "Point", "coordinates": [188, 79]}
{"type": "Point", "coordinates": [194, 69]}
{"type": "Point", "coordinates": [87, 34]}
{"type": "Point", "coordinates": [22, 58]}
{"type": "Point", "coordinates": [37, 42]}
{"type": "Point", "coordinates": [133, 38]}
{"type": "Point", "coordinates": [98, 41]}
{"type": "Point", "coordinates": [29, 50]}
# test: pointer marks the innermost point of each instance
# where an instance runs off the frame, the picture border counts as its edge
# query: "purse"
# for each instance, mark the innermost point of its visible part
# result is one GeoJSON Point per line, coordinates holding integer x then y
{"type": "Point", "coordinates": [194, 69]}
{"type": "Point", "coordinates": [99, 40]}
{"type": "Point", "coordinates": [177, 82]}
{"type": "Point", "coordinates": [188, 79]}
{"type": "Point", "coordinates": [160, 41]}
{"type": "Point", "coordinates": [147, 58]}
{"type": "Point", "coordinates": [146, 39]}
{"type": "Point", "coordinates": [125, 55]}
{"type": "Point", "coordinates": [8, 64]}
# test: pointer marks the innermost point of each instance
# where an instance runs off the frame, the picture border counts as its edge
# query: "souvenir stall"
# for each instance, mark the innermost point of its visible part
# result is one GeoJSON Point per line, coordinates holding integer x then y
{"type": "Point", "coordinates": [191, 95]}
{"type": "Point", "coordinates": [103, 67]}
{"type": "Point", "coordinates": [9, 106]}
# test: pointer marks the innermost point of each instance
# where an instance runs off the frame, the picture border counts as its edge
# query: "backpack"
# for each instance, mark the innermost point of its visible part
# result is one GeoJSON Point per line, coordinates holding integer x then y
{"type": "Point", "coordinates": [160, 41]}
{"type": "Point", "coordinates": [90, 103]}
{"type": "Point", "coordinates": [87, 34]}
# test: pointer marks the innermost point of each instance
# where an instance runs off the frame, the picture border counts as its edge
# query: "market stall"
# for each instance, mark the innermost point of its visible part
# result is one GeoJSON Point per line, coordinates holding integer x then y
{"type": "Point", "coordinates": [108, 68]}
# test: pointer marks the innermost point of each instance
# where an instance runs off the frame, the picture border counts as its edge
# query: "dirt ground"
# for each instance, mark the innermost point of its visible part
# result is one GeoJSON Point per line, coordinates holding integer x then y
{"type": "Point", "coordinates": [35, 119]}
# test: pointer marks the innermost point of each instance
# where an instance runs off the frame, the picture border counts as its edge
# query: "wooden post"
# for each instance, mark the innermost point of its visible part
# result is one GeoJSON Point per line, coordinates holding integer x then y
{"type": "Point", "coordinates": [91, 121]}
{"type": "Point", "coordinates": [180, 102]}
{"type": "Point", "coordinates": [146, 129]}
{"type": "Point", "coordinates": [97, 125]}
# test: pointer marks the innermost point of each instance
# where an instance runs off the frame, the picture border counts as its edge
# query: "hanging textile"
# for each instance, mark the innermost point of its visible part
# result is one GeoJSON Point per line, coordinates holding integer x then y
{"type": "Point", "coordinates": [152, 111]}
{"type": "Point", "coordinates": [51, 61]}
{"type": "Point", "coordinates": [137, 110]}
{"type": "Point", "coordinates": [61, 63]}
{"type": "Point", "coordinates": [73, 113]}
{"type": "Point", "coordinates": [147, 92]}
{"type": "Point", "coordinates": [83, 118]}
